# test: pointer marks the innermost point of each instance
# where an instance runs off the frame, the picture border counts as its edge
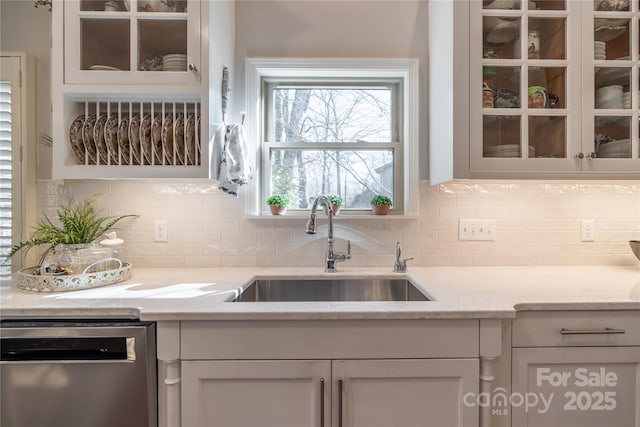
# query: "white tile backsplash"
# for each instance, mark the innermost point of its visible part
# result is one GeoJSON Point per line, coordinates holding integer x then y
{"type": "Point", "coordinates": [538, 223]}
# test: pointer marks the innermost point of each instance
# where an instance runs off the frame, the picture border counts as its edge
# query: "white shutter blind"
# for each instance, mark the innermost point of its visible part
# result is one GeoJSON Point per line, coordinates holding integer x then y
{"type": "Point", "coordinates": [6, 177]}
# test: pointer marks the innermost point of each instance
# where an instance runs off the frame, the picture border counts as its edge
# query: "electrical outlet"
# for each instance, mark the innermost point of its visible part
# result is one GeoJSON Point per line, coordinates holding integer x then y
{"type": "Point", "coordinates": [587, 230]}
{"type": "Point", "coordinates": [477, 229]}
{"type": "Point", "coordinates": [160, 230]}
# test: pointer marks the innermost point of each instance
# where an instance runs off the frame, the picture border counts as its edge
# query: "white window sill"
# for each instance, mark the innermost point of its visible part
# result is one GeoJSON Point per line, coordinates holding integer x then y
{"type": "Point", "coordinates": [342, 217]}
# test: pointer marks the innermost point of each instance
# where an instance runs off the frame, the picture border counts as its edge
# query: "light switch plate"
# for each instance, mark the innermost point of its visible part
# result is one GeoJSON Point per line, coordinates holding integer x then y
{"type": "Point", "coordinates": [476, 229]}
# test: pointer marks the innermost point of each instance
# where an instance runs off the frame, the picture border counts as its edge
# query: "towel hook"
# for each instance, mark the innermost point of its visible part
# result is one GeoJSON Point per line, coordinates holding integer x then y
{"type": "Point", "coordinates": [225, 92]}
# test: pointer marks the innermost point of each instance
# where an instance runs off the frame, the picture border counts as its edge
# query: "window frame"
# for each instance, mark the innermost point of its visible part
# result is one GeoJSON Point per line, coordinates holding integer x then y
{"type": "Point", "coordinates": [24, 193]}
{"type": "Point", "coordinates": [400, 73]}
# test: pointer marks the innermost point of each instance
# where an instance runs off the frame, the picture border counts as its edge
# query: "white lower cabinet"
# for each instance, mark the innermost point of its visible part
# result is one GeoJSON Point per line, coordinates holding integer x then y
{"type": "Point", "coordinates": [576, 369]}
{"type": "Point", "coordinates": [252, 393]}
{"type": "Point", "coordinates": [576, 387]}
{"type": "Point", "coordinates": [325, 373]}
{"type": "Point", "coordinates": [345, 393]}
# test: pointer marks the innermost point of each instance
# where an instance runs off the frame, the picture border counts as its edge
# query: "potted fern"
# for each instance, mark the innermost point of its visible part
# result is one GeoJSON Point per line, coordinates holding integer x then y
{"type": "Point", "coordinates": [73, 239]}
{"type": "Point", "coordinates": [380, 205]}
{"type": "Point", "coordinates": [336, 203]}
{"type": "Point", "coordinates": [278, 204]}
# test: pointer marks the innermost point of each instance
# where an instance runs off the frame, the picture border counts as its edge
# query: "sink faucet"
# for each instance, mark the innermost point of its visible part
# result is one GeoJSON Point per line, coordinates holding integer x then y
{"type": "Point", "coordinates": [332, 255]}
{"type": "Point", "coordinates": [400, 265]}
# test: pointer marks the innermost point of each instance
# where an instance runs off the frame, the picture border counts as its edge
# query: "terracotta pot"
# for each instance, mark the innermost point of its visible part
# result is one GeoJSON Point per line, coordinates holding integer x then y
{"type": "Point", "coordinates": [380, 210]}
{"type": "Point", "coordinates": [278, 210]}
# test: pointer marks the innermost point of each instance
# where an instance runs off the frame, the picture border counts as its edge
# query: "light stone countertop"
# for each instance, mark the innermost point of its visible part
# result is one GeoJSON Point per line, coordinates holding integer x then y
{"type": "Point", "coordinates": [457, 292]}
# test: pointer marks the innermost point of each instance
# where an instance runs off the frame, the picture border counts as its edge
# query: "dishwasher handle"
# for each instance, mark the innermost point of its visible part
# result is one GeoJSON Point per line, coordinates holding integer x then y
{"type": "Point", "coordinates": [67, 348]}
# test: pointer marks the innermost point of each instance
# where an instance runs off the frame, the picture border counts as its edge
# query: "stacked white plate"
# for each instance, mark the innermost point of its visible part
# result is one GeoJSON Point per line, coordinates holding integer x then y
{"type": "Point", "coordinates": [620, 148]}
{"type": "Point", "coordinates": [609, 97]}
{"type": "Point", "coordinates": [599, 50]}
{"type": "Point", "coordinates": [506, 150]}
{"type": "Point", "coordinates": [174, 62]}
{"type": "Point", "coordinates": [626, 100]}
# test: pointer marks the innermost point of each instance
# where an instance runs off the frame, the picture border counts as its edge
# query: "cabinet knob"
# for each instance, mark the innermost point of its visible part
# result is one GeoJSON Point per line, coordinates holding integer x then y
{"type": "Point", "coordinates": [579, 155]}
{"type": "Point", "coordinates": [590, 155]}
{"type": "Point", "coordinates": [193, 68]}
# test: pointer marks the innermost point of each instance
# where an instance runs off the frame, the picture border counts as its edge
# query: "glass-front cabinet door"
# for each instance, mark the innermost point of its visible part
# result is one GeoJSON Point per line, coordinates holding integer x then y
{"type": "Point", "coordinates": [132, 41]}
{"type": "Point", "coordinates": [611, 115]}
{"type": "Point", "coordinates": [554, 85]}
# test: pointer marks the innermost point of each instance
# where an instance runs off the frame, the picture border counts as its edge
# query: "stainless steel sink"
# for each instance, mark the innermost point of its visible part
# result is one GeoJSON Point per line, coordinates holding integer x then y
{"type": "Point", "coordinates": [368, 289]}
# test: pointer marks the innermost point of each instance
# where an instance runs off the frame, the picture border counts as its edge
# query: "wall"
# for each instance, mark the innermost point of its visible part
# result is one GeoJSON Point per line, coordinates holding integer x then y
{"type": "Point", "coordinates": [537, 221]}
{"type": "Point", "coordinates": [23, 28]}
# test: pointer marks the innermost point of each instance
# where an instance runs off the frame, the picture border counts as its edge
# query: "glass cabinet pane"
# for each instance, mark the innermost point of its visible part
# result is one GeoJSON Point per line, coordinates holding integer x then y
{"type": "Point", "coordinates": [104, 44]}
{"type": "Point", "coordinates": [547, 87]}
{"type": "Point", "coordinates": [501, 4]}
{"type": "Point", "coordinates": [162, 45]}
{"type": "Point", "coordinates": [500, 30]}
{"type": "Point", "coordinates": [612, 137]}
{"type": "Point", "coordinates": [611, 5]}
{"type": "Point", "coordinates": [548, 5]}
{"type": "Point", "coordinates": [104, 5]}
{"type": "Point", "coordinates": [616, 36]}
{"type": "Point", "coordinates": [162, 6]}
{"type": "Point", "coordinates": [501, 137]}
{"type": "Point", "coordinates": [547, 136]}
{"type": "Point", "coordinates": [503, 84]}
{"type": "Point", "coordinates": [547, 38]}
{"type": "Point", "coordinates": [611, 84]}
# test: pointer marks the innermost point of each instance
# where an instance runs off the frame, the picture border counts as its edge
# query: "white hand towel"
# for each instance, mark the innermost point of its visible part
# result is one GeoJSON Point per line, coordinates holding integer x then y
{"type": "Point", "coordinates": [216, 147]}
{"type": "Point", "coordinates": [239, 169]}
{"type": "Point", "coordinates": [229, 163]}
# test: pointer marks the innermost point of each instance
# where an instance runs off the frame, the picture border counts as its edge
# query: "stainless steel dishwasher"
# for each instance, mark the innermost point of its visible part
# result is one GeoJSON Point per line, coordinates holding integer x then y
{"type": "Point", "coordinates": [78, 373]}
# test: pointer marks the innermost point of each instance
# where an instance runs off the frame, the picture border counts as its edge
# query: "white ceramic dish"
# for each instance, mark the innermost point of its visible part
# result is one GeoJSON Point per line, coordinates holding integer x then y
{"type": "Point", "coordinates": [167, 138]}
{"type": "Point", "coordinates": [156, 138]}
{"type": "Point", "coordinates": [190, 139]}
{"type": "Point", "coordinates": [98, 139]}
{"type": "Point", "coordinates": [123, 140]}
{"type": "Point", "coordinates": [111, 138]}
{"type": "Point", "coordinates": [134, 139]}
{"type": "Point", "coordinates": [98, 67]}
{"type": "Point", "coordinates": [178, 138]}
{"type": "Point", "coordinates": [87, 139]}
{"type": "Point", "coordinates": [146, 148]}
{"type": "Point", "coordinates": [75, 138]}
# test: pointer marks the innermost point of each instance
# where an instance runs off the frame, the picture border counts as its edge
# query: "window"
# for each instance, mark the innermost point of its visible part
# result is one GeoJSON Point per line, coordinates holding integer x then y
{"type": "Point", "coordinates": [17, 208]}
{"type": "Point", "coordinates": [334, 127]}
{"type": "Point", "coordinates": [9, 197]}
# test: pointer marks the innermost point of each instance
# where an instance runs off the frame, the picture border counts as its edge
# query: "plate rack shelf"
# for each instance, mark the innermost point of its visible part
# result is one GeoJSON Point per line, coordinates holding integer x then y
{"type": "Point", "coordinates": [135, 133]}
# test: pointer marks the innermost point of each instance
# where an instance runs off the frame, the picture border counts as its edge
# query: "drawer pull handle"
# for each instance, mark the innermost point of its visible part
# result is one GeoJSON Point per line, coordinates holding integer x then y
{"type": "Point", "coordinates": [321, 402]}
{"type": "Point", "coordinates": [605, 331]}
{"type": "Point", "coordinates": [340, 391]}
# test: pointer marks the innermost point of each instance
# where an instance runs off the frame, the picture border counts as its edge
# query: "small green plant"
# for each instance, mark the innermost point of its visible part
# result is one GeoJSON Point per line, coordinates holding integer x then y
{"type": "Point", "coordinates": [381, 200]}
{"type": "Point", "coordinates": [278, 200]}
{"type": "Point", "coordinates": [80, 223]}
{"type": "Point", "coordinates": [335, 200]}
{"type": "Point", "coordinates": [46, 3]}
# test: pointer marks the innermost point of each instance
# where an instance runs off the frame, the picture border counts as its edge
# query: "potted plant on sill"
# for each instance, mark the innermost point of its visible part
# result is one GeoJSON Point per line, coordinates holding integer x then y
{"type": "Point", "coordinates": [380, 205]}
{"type": "Point", "coordinates": [73, 239]}
{"type": "Point", "coordinates": [278, 204]}
{"type": "Point", "coordinates": [336, 203]}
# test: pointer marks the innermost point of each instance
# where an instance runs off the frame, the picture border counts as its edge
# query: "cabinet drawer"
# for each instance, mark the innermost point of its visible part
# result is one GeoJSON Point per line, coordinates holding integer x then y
{"type": "Point", "coordinates": [576, 328]}
{"type": "Point", "coordinates": [331, 339]}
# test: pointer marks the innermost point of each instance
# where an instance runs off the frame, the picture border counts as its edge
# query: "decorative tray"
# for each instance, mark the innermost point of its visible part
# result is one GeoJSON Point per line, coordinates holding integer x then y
{"type": "Point", "coordinates": [30, 279]}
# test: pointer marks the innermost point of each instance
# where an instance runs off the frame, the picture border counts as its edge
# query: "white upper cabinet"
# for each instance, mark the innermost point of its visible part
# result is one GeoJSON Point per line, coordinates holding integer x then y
{"type": "Point", "coordinates": [552, 89]}
{"type": "Point", "coordinates": [130, 82]}
{"type": "Point", "coordinates": [132, 42]}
